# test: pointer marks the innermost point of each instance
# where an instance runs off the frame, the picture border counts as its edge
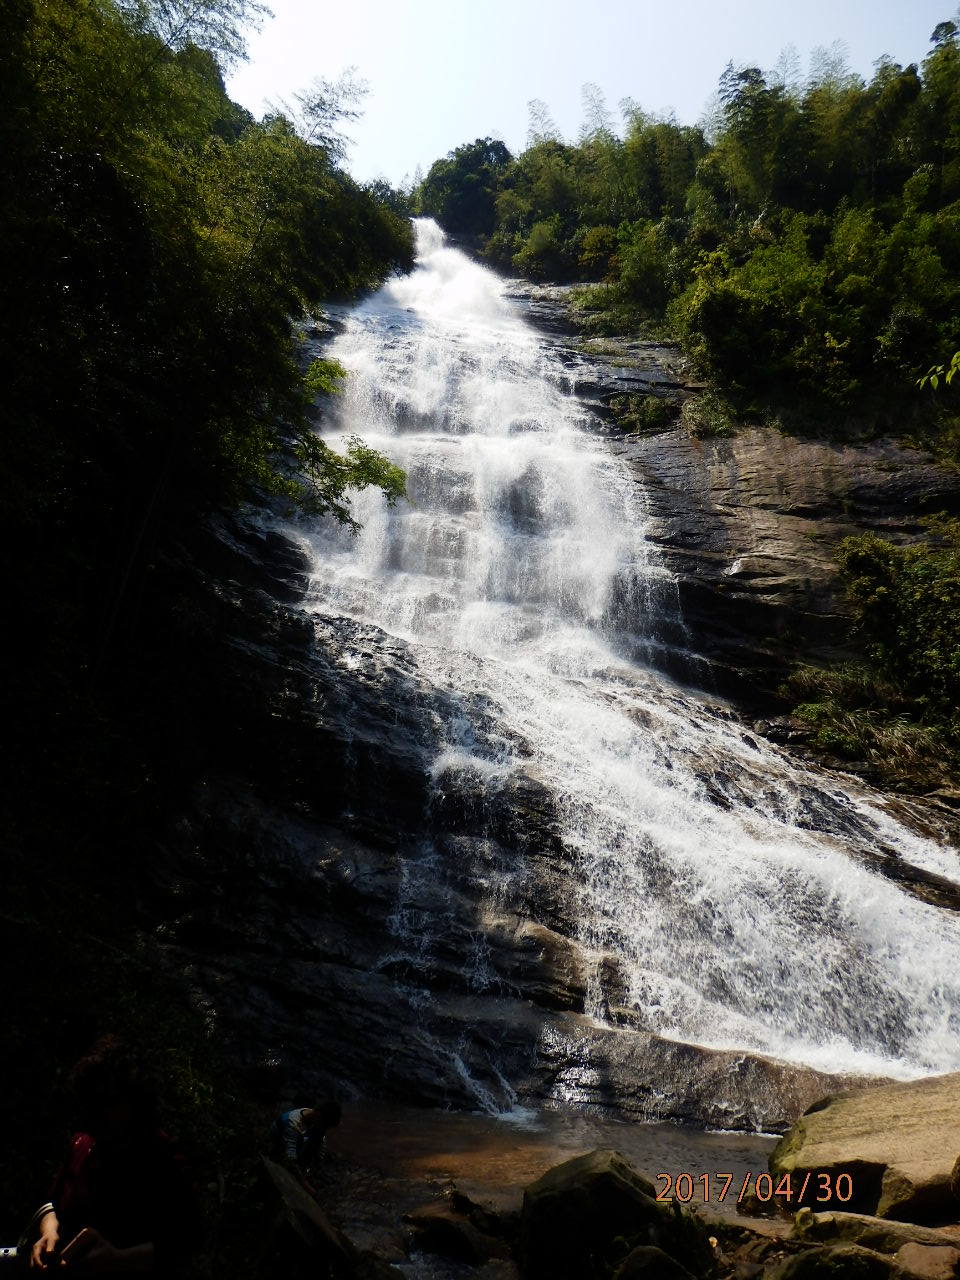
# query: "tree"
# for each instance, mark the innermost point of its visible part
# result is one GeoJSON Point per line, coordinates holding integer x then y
{"type": "Point", "coordinates": [317, 112]}
{"type": "Point", "coordinates": [540, 126]}
{"type": "Point", "coordinates": [219, 26]}
{"type": "Point", "coordinates": [597, 121]}
{"type": "Point", "coordinates": [460, 190]}
{"type": "Point", "coordinates": [156, 248]}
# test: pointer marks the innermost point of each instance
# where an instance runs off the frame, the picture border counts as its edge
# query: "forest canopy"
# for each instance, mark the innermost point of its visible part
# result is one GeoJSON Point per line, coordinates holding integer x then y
{"type": "Point", "coordinates": [157, 244]}
{"type": "Point", "coordinates": [802, 242]}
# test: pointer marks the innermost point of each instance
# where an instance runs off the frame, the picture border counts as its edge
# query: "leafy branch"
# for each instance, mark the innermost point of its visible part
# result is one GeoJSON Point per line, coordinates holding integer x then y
{"type": "Point", "coordinates": [938, 371]}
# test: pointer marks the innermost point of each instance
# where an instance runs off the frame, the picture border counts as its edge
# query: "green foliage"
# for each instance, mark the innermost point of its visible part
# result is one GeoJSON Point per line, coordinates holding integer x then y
{"type": "Point", "coordinates": [157, 247]}
{"type": "Point", "coordinates": [597, 247]}
{"type": "Point", "coordinates": [460, 190]}
{"type": "Point", "coordinates": [907, 600]}
{"type": "Point", "coordinates": [807, 256]}
{"type": "Point", "coordinates": [708, 414]}
{"type": "Point", "coordinates": [323, 477]}
{"type": "Point", "coordinates": [602, 310]}
{"type": "Point", "coordinates": [324, 377]}
{"type": "Point", "coordinates": [900, 711]}
{"type": "Point", "coordinates": [643, 414]}
{"type": "Point", "coordinates": [938, 371]}
{"type": "Point", "coordinates": [858, 714]}
{"type": "Point", "coordinates": [541, 254]}
{"type": "Point", "coordinates": [643, 261]}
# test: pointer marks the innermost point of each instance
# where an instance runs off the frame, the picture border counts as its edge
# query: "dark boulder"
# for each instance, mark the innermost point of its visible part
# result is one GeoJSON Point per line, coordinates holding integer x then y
{"type": "Point", "coordinates": [303, 1244]}
{"type": "Point", "coordinates": [582, 1217]}
{"type": "Point", "coordinates": [441, 1228]}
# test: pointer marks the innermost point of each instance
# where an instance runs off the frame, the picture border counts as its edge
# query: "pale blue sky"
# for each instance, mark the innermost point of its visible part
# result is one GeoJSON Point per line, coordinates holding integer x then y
{"type": "Point", "coordinates": [443, 72]}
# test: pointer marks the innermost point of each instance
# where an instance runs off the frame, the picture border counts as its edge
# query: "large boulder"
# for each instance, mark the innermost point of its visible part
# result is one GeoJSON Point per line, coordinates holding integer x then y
{"type": "Point", "coordinates": [583, 1217]}
{"type": "Point", "coordinates": [928, 1262]}
{"type": "Point", "coordinates": [303, 1244]}
{"type": "Point", "coordinates": [897, 1143]}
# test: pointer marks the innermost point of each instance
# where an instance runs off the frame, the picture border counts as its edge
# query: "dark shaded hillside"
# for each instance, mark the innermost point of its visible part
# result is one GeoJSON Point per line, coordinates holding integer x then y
{"type": "Point", "coordinates": [159, 251]}
{"type": "Point", "coordinates": [158, 246]}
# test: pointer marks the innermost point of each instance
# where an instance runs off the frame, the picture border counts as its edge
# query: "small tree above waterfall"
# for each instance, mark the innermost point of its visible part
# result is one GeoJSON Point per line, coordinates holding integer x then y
{"type": "Point", "coordinates": [459, 190]}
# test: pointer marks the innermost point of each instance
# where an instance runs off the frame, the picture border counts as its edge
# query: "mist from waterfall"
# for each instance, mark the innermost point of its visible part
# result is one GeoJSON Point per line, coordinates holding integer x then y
{"type": "Point", "coordinates": [738, 892]}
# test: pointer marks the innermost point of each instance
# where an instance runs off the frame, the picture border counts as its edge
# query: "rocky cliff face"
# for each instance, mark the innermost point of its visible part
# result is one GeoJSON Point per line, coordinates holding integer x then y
{"type": "Point", "coordinates": [343, 918]}
{"type": "Point", "coordinates": [328, 907]}
{"type": "Point", "coordinates": [747, 522]}
{"type": "Point", "coordinates": [334, 914]}
{"type": "Point", "coordinates": [748, 525]}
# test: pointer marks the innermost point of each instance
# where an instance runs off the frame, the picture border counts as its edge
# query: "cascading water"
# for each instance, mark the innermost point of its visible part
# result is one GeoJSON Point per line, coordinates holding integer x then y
{"type": "Point", "coordinates": [741, 897]}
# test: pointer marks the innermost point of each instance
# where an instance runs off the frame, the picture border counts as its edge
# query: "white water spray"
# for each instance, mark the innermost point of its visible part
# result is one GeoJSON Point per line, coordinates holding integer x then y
{"type": "Point", "coordinates": [738, 892]}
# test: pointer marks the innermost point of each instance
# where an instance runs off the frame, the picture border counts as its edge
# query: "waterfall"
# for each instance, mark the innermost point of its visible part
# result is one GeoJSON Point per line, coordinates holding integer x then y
{"type": "Point", "coordinates": [740, 897]}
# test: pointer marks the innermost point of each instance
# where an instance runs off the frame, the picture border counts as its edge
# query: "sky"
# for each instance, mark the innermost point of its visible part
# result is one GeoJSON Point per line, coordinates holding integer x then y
{"type": "Point", "coordinates": [444, 72]}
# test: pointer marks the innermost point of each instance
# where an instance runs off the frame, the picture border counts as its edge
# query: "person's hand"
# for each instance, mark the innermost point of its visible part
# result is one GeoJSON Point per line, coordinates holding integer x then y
{"type": "Point", "coordinates": [43, 1253]}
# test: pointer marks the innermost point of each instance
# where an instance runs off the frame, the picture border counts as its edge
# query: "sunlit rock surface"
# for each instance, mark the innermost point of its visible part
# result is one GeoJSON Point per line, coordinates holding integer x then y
{"type": "Point", "coordinates": [897, 1144]}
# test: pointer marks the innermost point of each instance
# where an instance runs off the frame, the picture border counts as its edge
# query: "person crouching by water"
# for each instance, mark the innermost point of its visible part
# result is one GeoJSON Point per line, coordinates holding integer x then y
{"type": "Point", "coordinates": [122, 1200]}
{"type": "Point", "coordinates": [297, 1136]}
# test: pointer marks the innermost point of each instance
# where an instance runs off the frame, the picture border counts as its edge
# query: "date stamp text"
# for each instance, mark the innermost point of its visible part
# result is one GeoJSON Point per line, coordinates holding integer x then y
{"type": "Point", "coordinates": [789, 1189]}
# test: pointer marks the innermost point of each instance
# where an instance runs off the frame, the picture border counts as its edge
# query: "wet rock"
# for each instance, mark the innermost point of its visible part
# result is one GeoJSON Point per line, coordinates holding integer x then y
{"type": "Point", "coordinates": [890, 1143]}
{"type": "Point", "coordinates": [628, 1069]}
{"type": "Point", "coordinates": [782, 729]}
{"type": "Point", "coordinates": [928, 1262]}
{"type": "Point", "coordinates": [341, 903]}
{"type": "Point", "coordinates": [346, 983]}
{"type": "Point", "coordinates": [748, 1252]}
{"type": "Point", "coordinates": [488, 1214]}
{"type": "Point", "coordinates": [441, 1228]}
{"type": "Point", "coordinates": [580, 1215]}
{"type": "Point", "coordinates": [547, 965]}
{"type": "Point", "coordinates": [341, 907]}
{"type": "Point", "coordinates": [947, 795]}
{"type": "Point", "coordinates": [747, 523]}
